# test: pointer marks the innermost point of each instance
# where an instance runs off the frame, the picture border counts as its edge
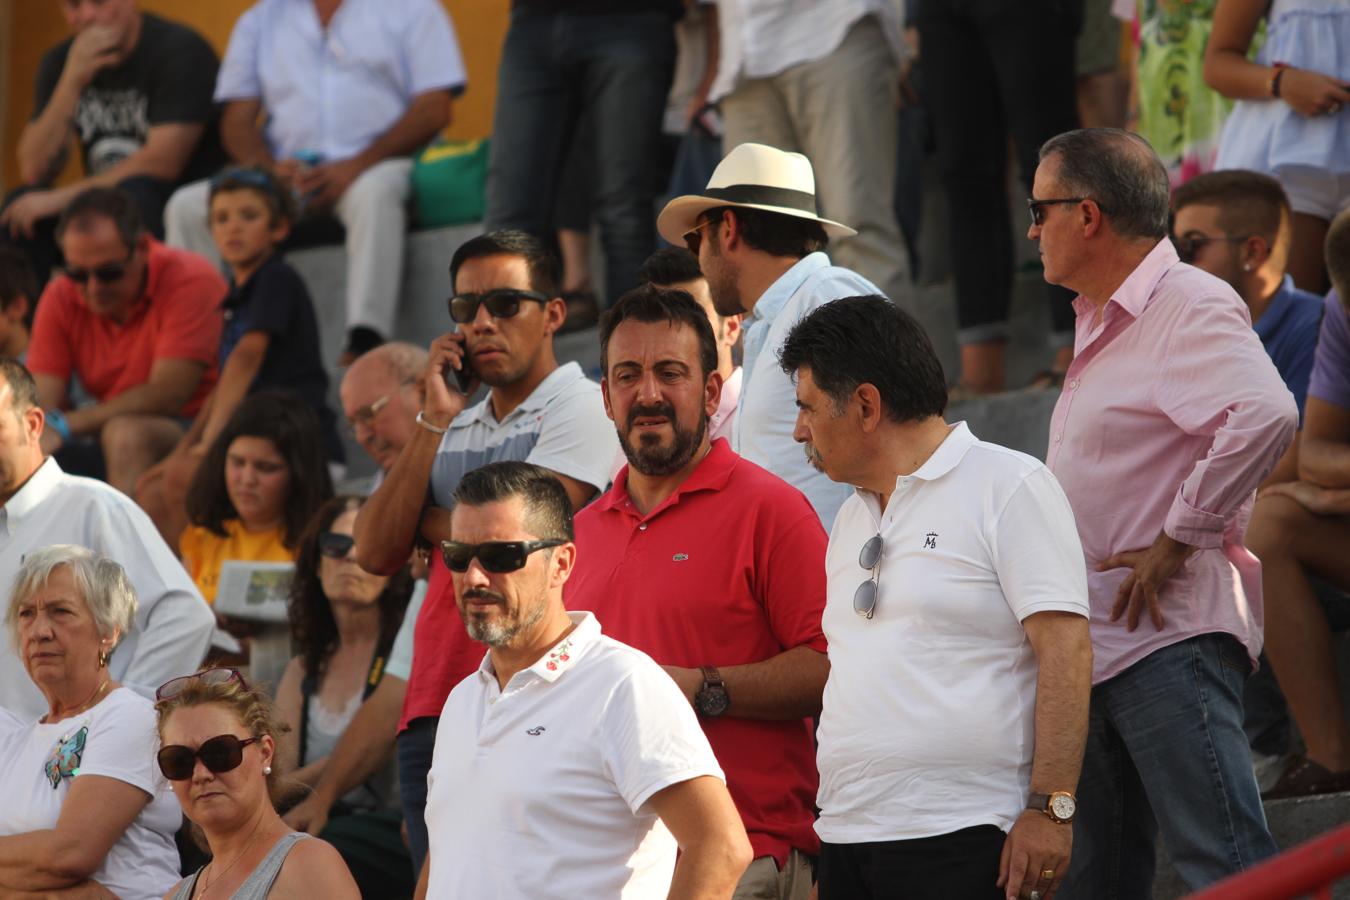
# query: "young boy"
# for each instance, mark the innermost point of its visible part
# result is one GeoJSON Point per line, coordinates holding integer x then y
{"type": "Point", "coordinates": [18, 289]}
{"type": "Point", "coordinates": [270, 339]}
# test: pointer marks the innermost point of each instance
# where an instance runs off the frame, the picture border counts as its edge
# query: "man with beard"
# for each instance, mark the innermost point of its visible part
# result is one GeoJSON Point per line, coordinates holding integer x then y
{"type": "Point", "coordinates": [960, 663]}
{"type": "Point", "coordinates": [507, 308]}
{"type": "Point", "coordinates": [715, 568]}
{"type": "Point", "coordinates": [560, 759]}
{"type": "Point", "coordinates": [761, 246]}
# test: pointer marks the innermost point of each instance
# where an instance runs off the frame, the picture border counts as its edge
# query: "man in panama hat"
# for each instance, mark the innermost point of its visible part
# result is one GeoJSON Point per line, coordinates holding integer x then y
{"type": "Point", "coordinates": [761, 245]}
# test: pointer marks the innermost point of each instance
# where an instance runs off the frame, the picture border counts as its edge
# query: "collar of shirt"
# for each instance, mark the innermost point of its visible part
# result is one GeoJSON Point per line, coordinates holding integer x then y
{"type": "Point", "coordinates": [772, 301]}
{"type": "Point", "coordinates": [561, 657]}
{"type": "Point", "coordinates": [711, 474]}
{"type": "Point", "coordinates": [36, 489]}
{"type": "Point", "coordinates": [946, 457]}
{"type": "Point", "coordinates": [239, 294]}
{"type": "Point", "coordinates": [556, 381]}
{"type": "Point", "coordinates": [1136, 291]}
{"type": "Point", "coordinates": [1280, 304]}
{"type": "Point", "coordinates": [726, 404]}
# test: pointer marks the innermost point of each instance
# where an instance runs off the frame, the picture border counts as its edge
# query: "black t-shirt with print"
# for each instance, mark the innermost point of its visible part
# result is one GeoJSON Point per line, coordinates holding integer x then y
{"type": "Point", "coordinates": [168, 78]}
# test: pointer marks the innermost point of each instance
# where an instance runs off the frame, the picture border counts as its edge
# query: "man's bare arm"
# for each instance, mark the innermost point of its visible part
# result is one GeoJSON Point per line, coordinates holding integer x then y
{"type": "Point", "coordinates": [786, 686]}
{"type": "Point", "coordinates": [1324, 449]}
{"type": "Point", "coordinates": [241, 133]}
{"type": "Point", "coordinates": [714, 850]}
{"type": "Point", "coordinates": [169, 387]}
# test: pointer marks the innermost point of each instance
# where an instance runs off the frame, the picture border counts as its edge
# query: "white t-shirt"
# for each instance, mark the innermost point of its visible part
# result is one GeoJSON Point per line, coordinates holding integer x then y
{"type": "Point", "coordinates": [401, 654]}
{"type": "Point", "coordinates": [115, 739]}
{"type": "Point", "coordinates": [541, 790]}
{"type": "Point", "coordinates": [929, 711]}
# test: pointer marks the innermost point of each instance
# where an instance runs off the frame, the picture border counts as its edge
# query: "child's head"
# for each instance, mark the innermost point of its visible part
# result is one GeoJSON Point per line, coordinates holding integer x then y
{"type": "Point", "coordinates": [266, 468]}
{"type": "Point", "coordinates": [250, 213]}
{"type": "Point", "coordinates": [18, 292]}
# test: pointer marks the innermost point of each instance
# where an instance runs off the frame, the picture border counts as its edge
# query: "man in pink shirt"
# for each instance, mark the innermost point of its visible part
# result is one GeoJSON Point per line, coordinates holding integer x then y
{"type": "Point", "coordinates": [1171, 415]}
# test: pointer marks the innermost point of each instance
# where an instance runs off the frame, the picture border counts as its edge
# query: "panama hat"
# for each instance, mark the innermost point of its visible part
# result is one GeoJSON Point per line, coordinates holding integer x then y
{"type": "Point", "coordinates": [755, 177]}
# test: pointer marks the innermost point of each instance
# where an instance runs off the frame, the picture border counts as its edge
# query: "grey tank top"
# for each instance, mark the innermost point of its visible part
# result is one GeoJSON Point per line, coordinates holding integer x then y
{"type": "Point", "coordinates": [257, 885]}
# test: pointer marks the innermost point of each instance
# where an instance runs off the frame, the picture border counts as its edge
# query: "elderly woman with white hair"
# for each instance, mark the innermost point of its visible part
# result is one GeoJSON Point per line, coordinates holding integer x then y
{"type": "Point", "coordinates": [83, 809]}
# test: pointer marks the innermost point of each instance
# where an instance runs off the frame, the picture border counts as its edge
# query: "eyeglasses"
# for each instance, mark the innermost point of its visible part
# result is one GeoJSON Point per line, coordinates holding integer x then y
{"type": "Point", "coordinates": [220, 754]}
{"type": "Point", "coordinates": [692, 239]}
{"type": "Point", "coordinates": [865, 597]}
{"type": "Point", "coordinates": [1189, 244]}
{"type": "Point", "coordinates": [175, 686]}
{"type": "Point", "coordinates": [334, 545]}
{"type": "Point", "coordinates": [106, 273]}
{"type": "Point", "coordinates": [495, 556]}
{"type": "Point", "coordinates": [365, 416]}
{"type": "Point", "coordinates": [1037, 207]}
{"type": "Point", "coordinates": [502, 303]}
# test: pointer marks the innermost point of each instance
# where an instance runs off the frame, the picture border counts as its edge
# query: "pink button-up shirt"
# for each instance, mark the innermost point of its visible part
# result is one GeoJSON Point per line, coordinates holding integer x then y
{"type": "Point", "coordinates": [1171, 416]}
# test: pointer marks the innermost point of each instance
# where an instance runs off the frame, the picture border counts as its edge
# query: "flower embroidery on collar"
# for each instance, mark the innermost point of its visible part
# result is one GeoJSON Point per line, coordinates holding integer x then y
{"type": "Point", "coordinates": [558, 654]}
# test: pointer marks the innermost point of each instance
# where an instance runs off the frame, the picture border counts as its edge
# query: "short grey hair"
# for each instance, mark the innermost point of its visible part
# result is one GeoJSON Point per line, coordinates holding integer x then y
{"type": "Point", "coordinates": [103, 584]}
{"type": "Point", "coordinates": [1121, 172]}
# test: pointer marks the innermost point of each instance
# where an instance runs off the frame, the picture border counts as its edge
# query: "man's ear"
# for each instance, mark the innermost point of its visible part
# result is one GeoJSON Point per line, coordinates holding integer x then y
{"type": "Point", "coordinates": [1254, 252]}
{"type": "Point", "coordinates": [731, 330]}
{"type": "Point", "coordinates": [555, 314]}
{"type": "Point", "coordinates": [604, 395]}
{"type": "Point", "coordinates": [870, 412]}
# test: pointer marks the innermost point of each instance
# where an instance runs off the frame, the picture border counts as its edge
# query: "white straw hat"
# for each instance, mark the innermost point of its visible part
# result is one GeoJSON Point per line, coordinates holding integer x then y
{"type": "Point", "coordinates": [755, 177]}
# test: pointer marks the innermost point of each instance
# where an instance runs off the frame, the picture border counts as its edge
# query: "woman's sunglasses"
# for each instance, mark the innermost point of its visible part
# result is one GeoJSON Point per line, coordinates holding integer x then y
{"type": "Point", "coordinates": [495, 556]}
{"type": "Point", "coordinates": [334, 545]}
{"type": "Point", "coordinates": [175, 686]}
{"type": "Point", "coordinates": [220, 754]}
{"type": "Point", "coordinates": [502, 303]}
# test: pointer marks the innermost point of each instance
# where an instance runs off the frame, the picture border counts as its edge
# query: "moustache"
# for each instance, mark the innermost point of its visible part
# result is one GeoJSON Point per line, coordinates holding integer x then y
{"type": "Point", "coordinates": [661, 410]}
{"type": "Point", "coordinates": [482, 594]}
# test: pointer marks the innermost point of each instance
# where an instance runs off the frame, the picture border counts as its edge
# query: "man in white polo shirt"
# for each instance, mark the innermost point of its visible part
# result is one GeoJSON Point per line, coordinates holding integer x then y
{"type": "Point", "coordinates": [569, 764]}
{"type": "Point", "coordinates": [761, 246]}
{"type": "Point", "coordinates": [956, 709]}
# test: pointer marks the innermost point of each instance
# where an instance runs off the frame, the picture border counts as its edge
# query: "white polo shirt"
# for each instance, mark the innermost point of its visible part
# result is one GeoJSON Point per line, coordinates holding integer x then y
{"type": "Point", "coordinates": [929, 712]}
{"type": "Point", "coordinates": [541, 790]}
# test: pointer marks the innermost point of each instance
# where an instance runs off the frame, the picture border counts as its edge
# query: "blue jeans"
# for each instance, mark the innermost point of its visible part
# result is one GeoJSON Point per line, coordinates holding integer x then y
{"type": "Point", "coordinates": [1166, 751]}
{"type": "Point", "coordinates": [414, 747]}
{"type": "Point", "coordinates": [611, 72]}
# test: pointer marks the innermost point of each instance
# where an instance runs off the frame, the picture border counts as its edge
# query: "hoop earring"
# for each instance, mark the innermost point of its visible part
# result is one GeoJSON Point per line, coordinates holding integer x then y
{"type": "Point", "coordinates": [102, 658]}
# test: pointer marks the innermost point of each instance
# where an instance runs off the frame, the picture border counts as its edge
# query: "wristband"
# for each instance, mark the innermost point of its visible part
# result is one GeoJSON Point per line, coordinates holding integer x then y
{"type": "Point", "coordinates": [434, 429]}
{"type": "Point", "coordinates": [57, 420]}
{"type": "Point", "coordinates": [1275, 77]}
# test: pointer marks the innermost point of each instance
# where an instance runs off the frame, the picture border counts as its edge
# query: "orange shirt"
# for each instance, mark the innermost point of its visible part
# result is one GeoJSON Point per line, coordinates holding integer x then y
{"type": "Point", "coordinates": [204, 552]}
{"type": "Point", "coordinates": [179, 317]}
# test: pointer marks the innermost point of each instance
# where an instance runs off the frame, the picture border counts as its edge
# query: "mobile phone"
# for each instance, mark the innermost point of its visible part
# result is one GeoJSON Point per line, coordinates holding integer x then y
{"type": "Point", "coordinates": [461, 379]}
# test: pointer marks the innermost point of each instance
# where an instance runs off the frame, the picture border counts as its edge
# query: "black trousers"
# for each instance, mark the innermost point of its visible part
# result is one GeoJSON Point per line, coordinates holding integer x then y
{"type": "Point", "coordinates": [962, 865]}
{"type": "Point", "coordinates": [995, 69]}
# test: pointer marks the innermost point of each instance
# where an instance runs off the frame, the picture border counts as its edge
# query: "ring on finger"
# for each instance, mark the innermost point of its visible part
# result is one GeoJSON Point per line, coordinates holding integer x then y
{"type": "Point", "coordinates": [1035, 895]}
{"type": "Point", "coordinates": [1048, 874]}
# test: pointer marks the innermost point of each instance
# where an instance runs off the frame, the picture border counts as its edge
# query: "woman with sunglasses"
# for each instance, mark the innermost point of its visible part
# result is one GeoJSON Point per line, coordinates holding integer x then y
{"type": "Point", "coordinates": [344, 620]}
{"type": "Point", "coordinates": [218, 750]}
{"type": "Point", "coordinates": [82, 808]}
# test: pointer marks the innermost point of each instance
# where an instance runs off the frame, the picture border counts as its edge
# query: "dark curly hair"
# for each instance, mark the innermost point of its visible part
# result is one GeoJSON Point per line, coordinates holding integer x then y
{"type": "Point", "coordinates": [313, 627]}
{"type": "Point", "coordinates": [293, 428]}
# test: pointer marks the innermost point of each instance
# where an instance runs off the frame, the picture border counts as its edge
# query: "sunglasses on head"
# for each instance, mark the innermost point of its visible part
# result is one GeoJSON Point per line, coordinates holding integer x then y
{"type": "Point", "coordinates": [494, 556]}
{"type": "Point", "coordinates": [502, 303]}
{"type": "Point", "coordinates": [175, 686]}
{"type": "Point", "coordinates": [106, 273]}
{"type": "Point", "coordinates": [220, 754]}
{"type": "Point", "coordinates": [334, 545]}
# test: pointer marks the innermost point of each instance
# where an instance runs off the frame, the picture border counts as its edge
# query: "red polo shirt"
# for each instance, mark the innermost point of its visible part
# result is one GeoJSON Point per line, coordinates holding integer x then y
{"type": "Point", "coordinates": [178, 318]}
{"type": "Point", "coordinates": [728, 570]}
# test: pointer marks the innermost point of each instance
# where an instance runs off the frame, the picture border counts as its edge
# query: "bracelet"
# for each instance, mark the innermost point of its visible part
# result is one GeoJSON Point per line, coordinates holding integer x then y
{"type": "Point", "coordinates": [57, 420]}
{"type": "Point", "coordinates": [1278, 74]}
{"type": "Point", "coordinates": [434, 429]}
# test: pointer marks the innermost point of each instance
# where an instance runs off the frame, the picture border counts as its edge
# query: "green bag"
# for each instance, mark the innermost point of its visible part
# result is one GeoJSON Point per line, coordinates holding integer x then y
{"type": "Point", "coordinates": [448, 182]}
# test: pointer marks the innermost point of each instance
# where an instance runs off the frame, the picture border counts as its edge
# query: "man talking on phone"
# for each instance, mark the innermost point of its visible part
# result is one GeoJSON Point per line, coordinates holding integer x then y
{"type": "Point", "coordinates": [504, 311]}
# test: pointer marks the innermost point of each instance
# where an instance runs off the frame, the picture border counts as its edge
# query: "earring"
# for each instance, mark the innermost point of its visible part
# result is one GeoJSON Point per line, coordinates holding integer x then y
{"type": "Point", "coordinates": [267, 770]}
{"type": "Point", "coordinates": [102, 658]}
{"type": "Point", "coordinates": [1247, 267]}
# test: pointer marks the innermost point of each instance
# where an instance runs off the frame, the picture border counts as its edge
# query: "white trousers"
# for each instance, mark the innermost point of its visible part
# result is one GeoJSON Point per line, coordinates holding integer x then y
{"type": "Point", "coordinates": [375, 212]}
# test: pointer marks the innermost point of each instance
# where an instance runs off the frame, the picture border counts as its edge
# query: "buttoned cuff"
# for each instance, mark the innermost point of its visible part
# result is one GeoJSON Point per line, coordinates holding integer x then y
{"type": "Point", "coordinates": [1200, 529]}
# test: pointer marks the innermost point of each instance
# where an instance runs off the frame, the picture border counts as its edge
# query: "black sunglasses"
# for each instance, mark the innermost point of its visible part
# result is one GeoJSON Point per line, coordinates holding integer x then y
{"type": "Point", "coordinates": [495, 556]}
{"type": "Point", "coordinates": [334, 545]}
{"type": "Point", "coordinates": [693, 238]}
{"type": "Point", "coordinates": [1189, 245]}
{"type": "Point", "coordinates": [865, 597]}
{"type": "Point", "coordinates": [106, 273]}
{"type": "Point", "coordinates": [220, 754]}
{"type": "Point", "coordinates": [502, 303]}
{"type": "Point", "coordinates": [1037, 207]}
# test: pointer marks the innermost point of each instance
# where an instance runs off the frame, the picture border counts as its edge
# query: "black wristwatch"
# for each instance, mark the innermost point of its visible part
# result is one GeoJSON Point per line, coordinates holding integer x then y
{"type": "Point", "coordinates": [712, 699]}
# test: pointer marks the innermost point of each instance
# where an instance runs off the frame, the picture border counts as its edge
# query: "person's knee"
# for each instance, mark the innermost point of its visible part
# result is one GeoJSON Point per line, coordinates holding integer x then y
{"type": "Point", "coordinates": [379, 186]}
{"type": "Point", "coordinates": [1276, 521]}
{"type": "Point", "coordinates": [135, 438]}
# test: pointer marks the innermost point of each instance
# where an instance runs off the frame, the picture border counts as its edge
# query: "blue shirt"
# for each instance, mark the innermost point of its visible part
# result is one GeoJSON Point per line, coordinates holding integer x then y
{"type": "Point", "coordinates": [1288, 330]}
{"type": "Point", "coordinates": [335, 90]}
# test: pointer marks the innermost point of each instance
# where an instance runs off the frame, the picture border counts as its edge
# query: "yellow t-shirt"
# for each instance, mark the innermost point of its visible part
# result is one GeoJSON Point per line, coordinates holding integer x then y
{"type": "Point", "coordinates": [203, 552]}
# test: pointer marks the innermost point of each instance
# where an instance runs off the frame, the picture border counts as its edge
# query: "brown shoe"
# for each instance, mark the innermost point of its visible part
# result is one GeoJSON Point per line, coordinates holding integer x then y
{"type": "Point", "coordinates": [1305, 778]}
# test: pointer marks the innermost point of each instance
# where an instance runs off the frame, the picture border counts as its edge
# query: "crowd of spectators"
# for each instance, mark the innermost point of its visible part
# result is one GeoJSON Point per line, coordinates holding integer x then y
{"type": "Point", "coordinates": [751, 614]}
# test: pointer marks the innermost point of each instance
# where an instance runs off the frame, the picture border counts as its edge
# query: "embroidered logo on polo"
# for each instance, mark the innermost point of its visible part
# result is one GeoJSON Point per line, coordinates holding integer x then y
{"type": "Point", "coordinates": [679, 557]}
{"type": "Point", "coordinates": [65, 759]}
{"type": "Point", "coordinates": [536, 730]}
{"type": "Point", "coordinates": [930, 540]}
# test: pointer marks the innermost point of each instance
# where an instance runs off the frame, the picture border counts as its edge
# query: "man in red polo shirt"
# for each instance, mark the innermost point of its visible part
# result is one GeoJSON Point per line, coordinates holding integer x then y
{"type": "Point", "coordinates": [715, 568]}
{"type": "Point", "coordinates": [139, 324]}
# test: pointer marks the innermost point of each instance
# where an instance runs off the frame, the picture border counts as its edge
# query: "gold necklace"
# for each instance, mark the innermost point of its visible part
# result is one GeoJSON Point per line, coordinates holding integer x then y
{"type": "Point", "coordinates": [216, 880]}
{"type": "Point", "coordinates": [93, 698]}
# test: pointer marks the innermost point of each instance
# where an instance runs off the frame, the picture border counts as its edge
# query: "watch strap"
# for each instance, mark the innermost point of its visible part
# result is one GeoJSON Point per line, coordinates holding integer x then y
{"type": "Point", "coordinates": [711, 677]}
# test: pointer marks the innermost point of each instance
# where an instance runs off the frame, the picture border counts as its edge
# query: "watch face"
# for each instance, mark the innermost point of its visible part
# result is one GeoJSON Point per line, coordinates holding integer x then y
{"type": "Point", "coordinates": [712, 701]}
{"type": "Point", "coordinates": [1062, 806]}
